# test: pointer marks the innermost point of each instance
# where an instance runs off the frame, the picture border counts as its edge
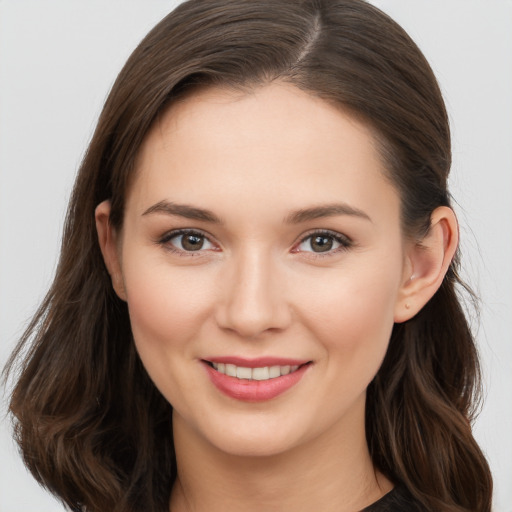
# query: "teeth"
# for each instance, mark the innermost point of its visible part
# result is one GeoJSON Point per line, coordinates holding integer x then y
{"type": "Point", "coordinates": [230, 370]}
{"type": "Point", "coordinates": [243, 373]}
{"type": "Point", "coordinates": [274, 371]}
{"type": "Point", "coordinates": [264, 373]}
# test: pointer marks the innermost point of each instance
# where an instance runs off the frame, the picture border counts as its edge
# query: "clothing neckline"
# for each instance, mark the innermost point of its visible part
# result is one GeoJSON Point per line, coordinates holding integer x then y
{"type": "Point", "coordinates": [385, 500]}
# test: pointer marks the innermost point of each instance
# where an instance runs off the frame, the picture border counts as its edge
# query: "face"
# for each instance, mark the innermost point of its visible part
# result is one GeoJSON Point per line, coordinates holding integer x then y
{"type": "Point", "coordinates": [261, 258]}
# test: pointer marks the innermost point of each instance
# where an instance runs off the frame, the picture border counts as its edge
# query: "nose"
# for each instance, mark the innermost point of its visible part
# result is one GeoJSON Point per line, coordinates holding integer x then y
{"type": "Point", "coordinates": [253, 298]}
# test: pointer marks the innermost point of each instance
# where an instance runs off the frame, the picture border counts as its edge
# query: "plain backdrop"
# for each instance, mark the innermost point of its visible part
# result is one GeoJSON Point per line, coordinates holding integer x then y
{"type": "Point", "coordinates": [58, 60]}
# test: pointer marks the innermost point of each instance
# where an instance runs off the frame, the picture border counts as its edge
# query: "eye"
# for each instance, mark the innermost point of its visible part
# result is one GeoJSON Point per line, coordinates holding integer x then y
{"type": "Point", "coordinates": [187, 241]}
{"type": "Point", "coordinates": [323, 242]}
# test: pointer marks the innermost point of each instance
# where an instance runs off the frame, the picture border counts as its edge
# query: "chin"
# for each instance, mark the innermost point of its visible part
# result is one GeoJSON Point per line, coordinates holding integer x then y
{"type": "Point", "coordinates": [252, 438]}
{"type": "Point", "coordinates": [254, 446]}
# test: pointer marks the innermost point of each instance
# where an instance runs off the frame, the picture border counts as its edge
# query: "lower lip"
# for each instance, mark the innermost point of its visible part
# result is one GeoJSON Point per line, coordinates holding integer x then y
{"type": "Point", "coordinates": [254, 390]}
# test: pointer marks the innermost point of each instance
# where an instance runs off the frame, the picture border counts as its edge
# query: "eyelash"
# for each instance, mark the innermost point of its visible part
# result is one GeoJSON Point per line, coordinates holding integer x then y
{"type": "Point", "coordinates": [165, 242]}
{"type": "Point", "coordinates": [344, 241]}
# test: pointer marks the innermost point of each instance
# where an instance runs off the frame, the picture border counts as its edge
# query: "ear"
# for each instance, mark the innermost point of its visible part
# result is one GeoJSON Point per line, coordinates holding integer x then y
{"type": "Point", "coordinates": [108, 240]}
{"type": "Point", "coordinates": [427, 262]}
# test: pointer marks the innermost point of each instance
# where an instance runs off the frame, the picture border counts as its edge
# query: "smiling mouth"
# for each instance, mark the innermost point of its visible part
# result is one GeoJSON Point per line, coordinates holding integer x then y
{"type": "Point", "coordinates": [260, 374]}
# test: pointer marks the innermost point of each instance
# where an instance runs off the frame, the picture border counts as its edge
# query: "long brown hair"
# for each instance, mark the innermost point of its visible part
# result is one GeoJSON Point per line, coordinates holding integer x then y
{"type": "Point", "coordinates": [92, 427]}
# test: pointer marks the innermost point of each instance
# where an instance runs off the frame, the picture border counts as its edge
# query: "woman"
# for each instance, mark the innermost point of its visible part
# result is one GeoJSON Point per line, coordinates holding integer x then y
{"type": "Point", "coordinates": [255, 305]}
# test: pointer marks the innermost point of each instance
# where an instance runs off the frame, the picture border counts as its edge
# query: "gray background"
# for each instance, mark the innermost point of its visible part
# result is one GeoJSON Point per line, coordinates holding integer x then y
{"type": "Point", "coordinates": [58, 60]}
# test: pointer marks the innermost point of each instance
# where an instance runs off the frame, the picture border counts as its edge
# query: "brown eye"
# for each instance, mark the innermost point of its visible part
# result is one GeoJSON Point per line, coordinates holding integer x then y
{"type": "Point", "coordinates": [324, 242]}
{"type": "Point", "coordinates": [321, 243]}
{"type": "Point", "coordinates": [188, 241]}
{"type": "Point", "coordinates": [192, 242]}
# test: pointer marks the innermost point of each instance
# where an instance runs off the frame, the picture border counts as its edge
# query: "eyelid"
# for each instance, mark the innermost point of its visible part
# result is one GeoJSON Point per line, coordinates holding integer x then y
{"type": "Point", "coordinates": [345, 242]}
{"type": "Point", "coordinates": [173, 233]}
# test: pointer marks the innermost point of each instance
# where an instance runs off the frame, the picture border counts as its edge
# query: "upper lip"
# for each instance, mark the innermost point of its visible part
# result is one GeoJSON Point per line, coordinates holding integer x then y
{"type": "Point", "coordinates": [258, 362]}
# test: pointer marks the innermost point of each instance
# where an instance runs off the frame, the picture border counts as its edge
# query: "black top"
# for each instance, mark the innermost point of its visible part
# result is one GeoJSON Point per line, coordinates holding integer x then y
{"type": "Point", "coordinates": [396, 500]}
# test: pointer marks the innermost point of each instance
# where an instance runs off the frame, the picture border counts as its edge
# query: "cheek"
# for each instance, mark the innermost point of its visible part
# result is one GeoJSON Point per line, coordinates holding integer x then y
{"type": "Point", "coordinates": [352, 315]}
{"type": "Point", "coordinates": [165, 304]}
{"type": "Point", "coordinates": [167, 310]}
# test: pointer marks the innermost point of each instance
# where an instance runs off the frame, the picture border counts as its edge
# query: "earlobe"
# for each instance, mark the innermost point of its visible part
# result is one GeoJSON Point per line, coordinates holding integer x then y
{"type": "Point", "coordinates": [107, 238]}
{"type": "Point", "coordinates": [427, 263]}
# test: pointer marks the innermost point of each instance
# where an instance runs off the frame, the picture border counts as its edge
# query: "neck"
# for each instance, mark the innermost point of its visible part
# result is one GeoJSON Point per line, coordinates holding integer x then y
{"type": "Point", "coordinates": [333, 472]}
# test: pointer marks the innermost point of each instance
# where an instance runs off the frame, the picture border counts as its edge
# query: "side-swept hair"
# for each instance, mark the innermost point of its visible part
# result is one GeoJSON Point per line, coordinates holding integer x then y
{"type": "Point", "coordinates": [91, 425]}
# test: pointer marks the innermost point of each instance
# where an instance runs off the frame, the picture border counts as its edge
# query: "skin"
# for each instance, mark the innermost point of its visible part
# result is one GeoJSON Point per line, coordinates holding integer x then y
{"type": "Point", "coordinates": [258, 288]}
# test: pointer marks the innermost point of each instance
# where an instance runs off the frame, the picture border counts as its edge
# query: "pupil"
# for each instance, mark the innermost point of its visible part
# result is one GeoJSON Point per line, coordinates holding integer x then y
{"type": "Point", "coordinates": [192, 242]}
{"type": "Point", "coordinates": [321, 243]}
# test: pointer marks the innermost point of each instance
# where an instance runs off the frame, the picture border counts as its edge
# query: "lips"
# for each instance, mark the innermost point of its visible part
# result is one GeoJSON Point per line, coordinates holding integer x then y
{"type": "Point", "coordinates": [256, 379]}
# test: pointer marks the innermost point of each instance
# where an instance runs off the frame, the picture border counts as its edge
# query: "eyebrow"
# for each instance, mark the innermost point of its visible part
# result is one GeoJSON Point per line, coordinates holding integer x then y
{"type": "Point", "coordinates": [295, 217]}
{"type": "Point", "coordinates": [327, 210]}
{"type": "Point", "coordinates": [183, 210]}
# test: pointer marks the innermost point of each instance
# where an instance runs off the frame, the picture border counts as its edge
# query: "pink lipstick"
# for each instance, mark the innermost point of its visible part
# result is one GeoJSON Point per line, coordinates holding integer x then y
{"type": "Point", "coordinates": [254, 380]}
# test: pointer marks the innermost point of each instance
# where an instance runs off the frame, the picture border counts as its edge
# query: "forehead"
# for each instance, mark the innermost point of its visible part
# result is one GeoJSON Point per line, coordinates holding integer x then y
{"type": "Point", "coordinates": [256, 114]}
{"type": "Point", "coordinates": [277, 141]}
